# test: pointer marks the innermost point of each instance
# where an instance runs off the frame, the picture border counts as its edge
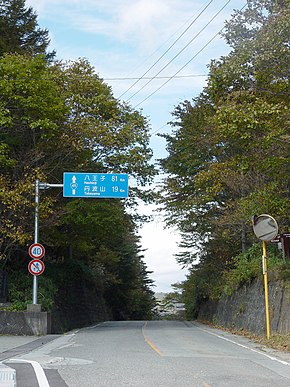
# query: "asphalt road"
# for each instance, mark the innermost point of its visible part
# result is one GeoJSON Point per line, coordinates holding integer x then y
{"type": "Point", "coordinates": [154, 353]}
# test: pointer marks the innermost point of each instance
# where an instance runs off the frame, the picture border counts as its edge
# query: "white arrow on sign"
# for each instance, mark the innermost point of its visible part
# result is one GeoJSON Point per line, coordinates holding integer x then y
{"type": "Point", "coordinates": [73, 185]}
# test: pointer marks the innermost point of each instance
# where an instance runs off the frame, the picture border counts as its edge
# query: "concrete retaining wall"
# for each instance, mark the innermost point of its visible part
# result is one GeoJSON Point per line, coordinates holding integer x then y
{"type": "Point", "coordinates": [67, 314]}
{"type": "Point", "coordinates": [25, 323]}
{"type": "Point", "coordinates": [245, 309]}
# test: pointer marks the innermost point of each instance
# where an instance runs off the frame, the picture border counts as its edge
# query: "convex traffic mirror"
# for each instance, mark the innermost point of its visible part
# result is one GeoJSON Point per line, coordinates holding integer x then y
{"type": "Point", "coordinates": [265, 227]}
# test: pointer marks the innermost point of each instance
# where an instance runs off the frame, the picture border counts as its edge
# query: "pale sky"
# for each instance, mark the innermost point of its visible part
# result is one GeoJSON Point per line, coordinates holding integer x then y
{"type": "Point", "coordinates": [126, 39]}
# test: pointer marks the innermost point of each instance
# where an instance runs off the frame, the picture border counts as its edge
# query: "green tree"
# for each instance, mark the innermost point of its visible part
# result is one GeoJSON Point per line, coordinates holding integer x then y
{"type": "Point", "coordinates": [60, 118]}
{"type": "Point", "coordinates": [63, 117]}
{"type": "Point", "coordinates": [101, 235]}
{"type": "Point", "coordinates": [31, 109]}
{"type": "Point", "coordinates": [57, 117]}
{"type": "Point", "coordinates": [251, 134]}
{"type": "Point", "coordinates": [114, 136]}
{"type": "Point", "coordinates": [186, 205]}
{"type": "Point", "coordinates": [229, 152]}
{"type": "Point", "coordinates": [237, 134]}
{"type": "Point", "coordinates": [19, 31]}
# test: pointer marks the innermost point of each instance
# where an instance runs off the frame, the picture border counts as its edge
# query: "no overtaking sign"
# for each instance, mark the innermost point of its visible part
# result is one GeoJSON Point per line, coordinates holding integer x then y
{"type": "Point", "coordinates": [36, 267]}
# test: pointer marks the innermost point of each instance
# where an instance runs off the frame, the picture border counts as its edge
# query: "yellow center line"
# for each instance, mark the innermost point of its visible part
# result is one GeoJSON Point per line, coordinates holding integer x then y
{"type": "Point", "coordinates": [149, 341]}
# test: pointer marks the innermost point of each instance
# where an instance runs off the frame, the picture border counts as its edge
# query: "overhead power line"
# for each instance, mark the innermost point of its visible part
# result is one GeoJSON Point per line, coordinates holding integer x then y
{"type": "Point", "coordinates": [168, 80]}
{"type": "Point", "coordinates": [156, 131]}
{"type": "Point", "coordinates": [164, 67]}
{"type": "Point", "coordinates": [146, 60]}
{"type": "Point", "coordinates": [176, 40]}
{"type": "Point", "coordinates": [163, 77]}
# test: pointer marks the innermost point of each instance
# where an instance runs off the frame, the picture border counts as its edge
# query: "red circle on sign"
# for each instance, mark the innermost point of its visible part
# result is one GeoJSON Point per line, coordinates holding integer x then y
{"type": "Point", "coordinates": [36, 267]}
{"type": "Point", "coordinates": [36, 250]}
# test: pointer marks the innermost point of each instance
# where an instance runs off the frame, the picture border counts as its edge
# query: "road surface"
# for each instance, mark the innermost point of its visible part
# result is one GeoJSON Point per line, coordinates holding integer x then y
{"type": "Point", "coordinates": [154, 353]}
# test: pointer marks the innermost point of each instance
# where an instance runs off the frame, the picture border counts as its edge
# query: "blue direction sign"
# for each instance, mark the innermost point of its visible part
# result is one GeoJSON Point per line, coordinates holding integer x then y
{"type": "Point", "coordinates": [95, 185]}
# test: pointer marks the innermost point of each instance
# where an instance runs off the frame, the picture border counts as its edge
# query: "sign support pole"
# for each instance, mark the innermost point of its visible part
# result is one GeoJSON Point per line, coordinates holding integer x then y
{"type": "Point", "coordinates": [266, 229]}
{"type": "Point", "coordinates": [265, 274]}
{"type": "Point", "coordinates": [36, 232]}
{"type": "Point", "coordinates": [117, 187]}
{"type": "Point", "coordinates": [38, 186]}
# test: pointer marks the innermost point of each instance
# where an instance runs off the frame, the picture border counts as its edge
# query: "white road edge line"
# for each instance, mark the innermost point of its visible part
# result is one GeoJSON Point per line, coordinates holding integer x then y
{"type": "Point", "coordinates": [244, 346]}
{"type": "Point", "coordinates": [40, 375]}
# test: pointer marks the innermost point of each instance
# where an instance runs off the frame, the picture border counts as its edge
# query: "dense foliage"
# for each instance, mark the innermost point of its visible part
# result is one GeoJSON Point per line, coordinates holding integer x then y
{"type": "Point", "coordinates": [230, 147]}
{"type": "Point", "coordinates": [57, 117]}
{"type": "Point", "coordinates": [19, 31]}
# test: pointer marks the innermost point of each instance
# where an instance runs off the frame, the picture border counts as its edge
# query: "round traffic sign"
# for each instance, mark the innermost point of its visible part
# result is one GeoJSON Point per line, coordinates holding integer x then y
{"type": "Point", "coordinates": [36, 250]}
{"type": "Point", "coordinates": [36, 267]}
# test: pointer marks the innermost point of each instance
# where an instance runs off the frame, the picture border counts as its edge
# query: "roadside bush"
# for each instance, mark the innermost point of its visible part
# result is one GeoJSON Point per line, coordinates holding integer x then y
{"type": "Point", "coordinates": [20, 291]}
{"type": "Point", "coordinates": [248, 266]}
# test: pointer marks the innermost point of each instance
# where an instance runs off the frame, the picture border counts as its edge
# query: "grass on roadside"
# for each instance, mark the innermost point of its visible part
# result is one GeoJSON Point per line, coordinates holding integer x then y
{"type": "Point", "coordinates": [276, 341]}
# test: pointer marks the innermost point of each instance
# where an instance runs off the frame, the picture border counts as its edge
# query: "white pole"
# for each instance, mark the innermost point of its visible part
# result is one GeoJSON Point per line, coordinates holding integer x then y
{"type": "Point", "coordinates": [35, 282]}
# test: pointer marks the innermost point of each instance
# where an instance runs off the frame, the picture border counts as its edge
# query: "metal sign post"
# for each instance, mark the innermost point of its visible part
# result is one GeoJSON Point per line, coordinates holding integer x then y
{"type": "Point", "coordinates": [83, 185]}
{"type": "Point", "coordinates": [38, 186]}
{"type": "Point", "coordinates": [265, 275]}
{"type": "Point", "coordinates": [265, 228]}
{"type": "Point", "coordinates": [35, 280]}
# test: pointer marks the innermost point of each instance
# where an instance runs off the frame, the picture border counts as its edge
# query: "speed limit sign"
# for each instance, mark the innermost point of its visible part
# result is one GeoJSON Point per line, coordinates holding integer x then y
{"type": "Point", "coordinates": [36, 251]}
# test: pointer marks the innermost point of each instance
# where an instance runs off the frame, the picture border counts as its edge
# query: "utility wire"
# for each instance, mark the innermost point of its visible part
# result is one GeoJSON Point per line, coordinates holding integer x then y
{"type": "Point", "coordinates": [164, 67]}
{"type": "Point", "coordinates": [176, 40]}
{"type": "Point", "coordinates": [85, 76]}
{"type": "Point", "coordinates": [132, 78]}
{"type": "Point", "coordinates": [163, 44]}
{"type": "Point", "coordinates": [168, 80]}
